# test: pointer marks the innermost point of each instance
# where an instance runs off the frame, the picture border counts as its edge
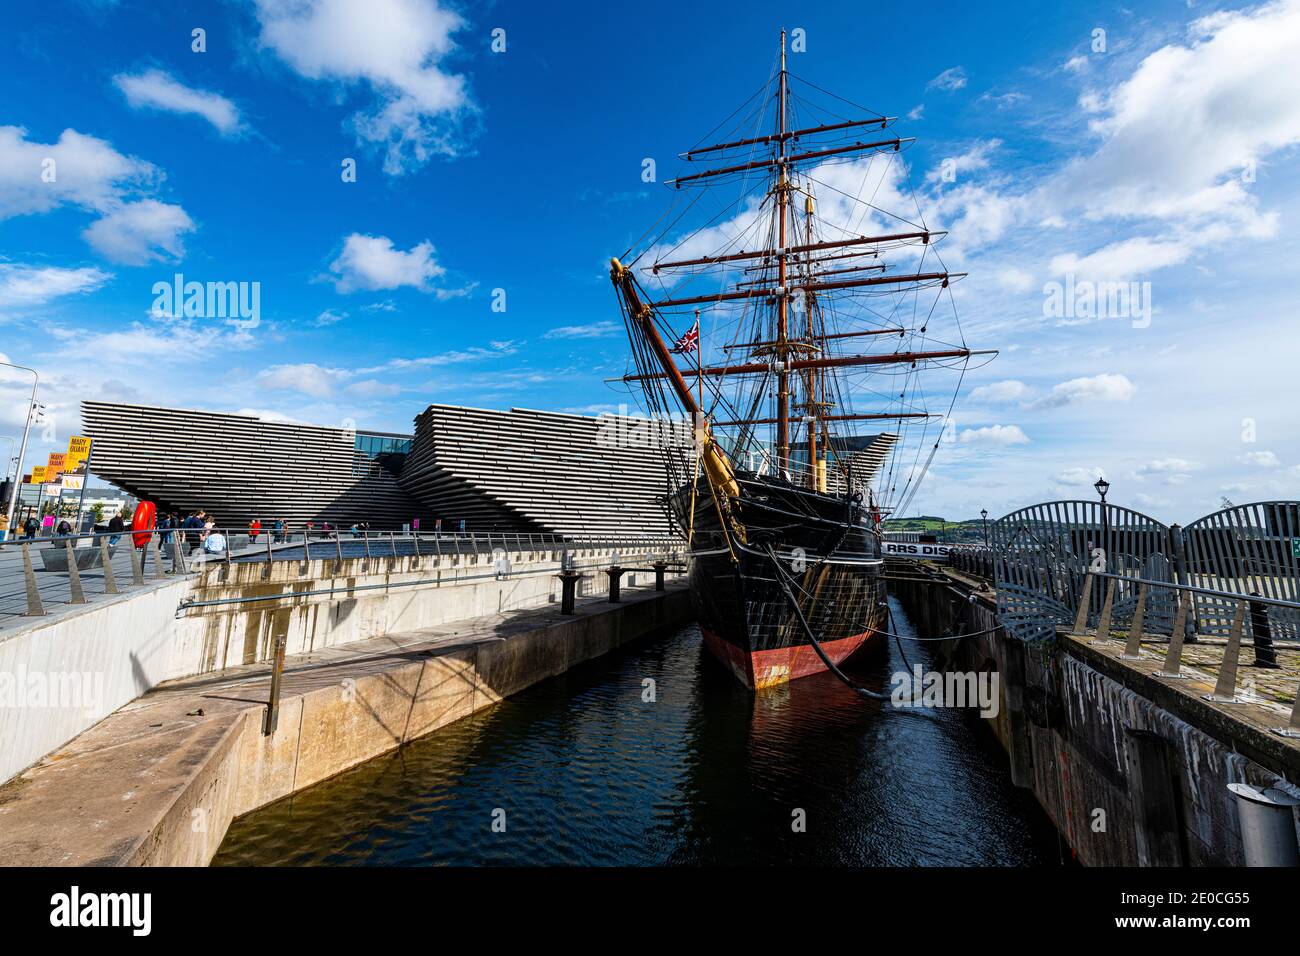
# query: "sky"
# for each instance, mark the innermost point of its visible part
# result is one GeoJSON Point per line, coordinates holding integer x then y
{"type": "Point", "coordinates": [427, 194]}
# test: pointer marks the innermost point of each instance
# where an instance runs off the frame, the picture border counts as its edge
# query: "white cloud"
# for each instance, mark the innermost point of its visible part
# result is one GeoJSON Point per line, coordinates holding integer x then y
{"type": "Point", "coordinates": [374, 263]}
{"type": "Point", "coordinates": [1261, 459]}
{"type": "Point", "coordinates": [393, 47]}
{"type": "Point", "coordinates": [456, 357]}
{"type": "Point", "coordinates": [1076, 477]}
{"type": "Point", "coordinates": [995, 435]}
{"type": "Point", "coordinates": [1009, 390]}
{"type": "Point", "coordinates": [140, 232]}
{"type": "Point", "coordinates": [155, 89]}
{"type": "Point", "coordinates": [373, 388]}
{"type": "Point", "coordinates": [975, 158]}
{"type": "Point", "coordinates": [77, 169]}
{"type": "Point", "coordinates": [1163, 466]}
{"type": "Point", "coordinates": [1177, 133]}
{"type": "Point", "coordinates": [592, 330]}
{"type": "Point", "coordinates": [306, 377]}
{"type": "Point", "coordinates": [1076, 64]}
{"type": "Point", "coordinates": [1096, 388]}
{"type": "Point", "coordinates": [329, 317]}
{"type": "Point", "coordinates": [88, 173]}
{"type": "Point", "coordinates": [27, 285]}
{"type": "Point", "coordinates": [953, 78]}
{"type": "Point", "coordinates": [916, 112]}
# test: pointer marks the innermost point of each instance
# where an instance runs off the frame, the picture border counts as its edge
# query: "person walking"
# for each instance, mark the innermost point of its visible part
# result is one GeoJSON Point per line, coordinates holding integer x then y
{"type": "Point", "coordinates": [30, 527]}
{"type": "Point", "coordinates": [192, 525]}
{"type": "Point", "coordinates": [115, 527]}
{"type": "Point", "coordinates": [254, 529]}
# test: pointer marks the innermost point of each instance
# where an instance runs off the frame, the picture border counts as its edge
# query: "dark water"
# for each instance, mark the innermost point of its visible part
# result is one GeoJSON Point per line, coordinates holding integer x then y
{"type": "Point", "coordinates": [588, 773]}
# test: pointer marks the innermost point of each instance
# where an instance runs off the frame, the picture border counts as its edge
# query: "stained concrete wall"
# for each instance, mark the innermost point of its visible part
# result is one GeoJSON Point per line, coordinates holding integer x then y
{"type": "Point", "coordinates": [1084, 742]}
{"type": "Point", "coordinates": [95, 659]}
{"type": "Point", "coordinates": [323, 732]}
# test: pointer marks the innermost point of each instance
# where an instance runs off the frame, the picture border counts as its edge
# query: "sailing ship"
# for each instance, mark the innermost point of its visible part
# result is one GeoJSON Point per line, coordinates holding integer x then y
{"type": "Point", "coordinates": [782, 508]}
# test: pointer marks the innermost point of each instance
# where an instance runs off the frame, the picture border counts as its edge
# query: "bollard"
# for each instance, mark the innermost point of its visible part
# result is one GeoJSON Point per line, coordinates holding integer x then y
{"type": "Point", "coordinates": [1267, 818]}
{"type": "Point", "coordinates": [569, 586]}
{"type": "Point", "coordinates": [1081, 619]}
{"type": "Point", "coordinates": [178, 557]}
{"type": "Point", "coordinates": [615, 575]}
{"type": "Point", "coordinates": [1174, 659]}
{"type": "Point", "coordinates": [1225, 688]}
{"type": "Point", "coordinates": [74, 575]}
{"type": "Point", "coordinates": [105, 558]}
{"type": "Point", "coordinates": [159, 572]}
{"type": "Point", "coordinates": [34, 606]}
{"type": "Point", "coordinates": [660, 567]}
{"type": "Point", "coordinates": [137, 566]}
{"type": "Point", "coordinates": [1133, 649]}
{"type": "Point", "coordinates": [1107, 606]}
{"type": "Point", "coordinates": [1261, 634]}
{"type": "Point", "coordinates": [277, 672]}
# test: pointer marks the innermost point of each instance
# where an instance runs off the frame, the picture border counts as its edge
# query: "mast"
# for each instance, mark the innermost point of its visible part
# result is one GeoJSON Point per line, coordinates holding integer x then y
{"type": "Point", "coordinates": [783, 204]}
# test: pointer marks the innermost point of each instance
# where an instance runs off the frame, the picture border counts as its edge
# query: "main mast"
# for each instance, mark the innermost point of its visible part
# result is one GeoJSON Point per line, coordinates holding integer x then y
{"type": "Point", "coordinates": [782, 357]}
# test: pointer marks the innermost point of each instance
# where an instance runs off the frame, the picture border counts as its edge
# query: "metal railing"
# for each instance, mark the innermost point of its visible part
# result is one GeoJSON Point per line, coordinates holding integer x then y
{"type": "Point", "coordinates": [1238, 608]}
{"type": "Point", "coordinates": [43, 571]}
{"type": "Point", "coordinates": [976, 562]}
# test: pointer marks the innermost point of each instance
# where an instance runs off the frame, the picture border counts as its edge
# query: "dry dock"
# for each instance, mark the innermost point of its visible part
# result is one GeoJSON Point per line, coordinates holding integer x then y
{"type": "Point", "coordinates": [158, 781]}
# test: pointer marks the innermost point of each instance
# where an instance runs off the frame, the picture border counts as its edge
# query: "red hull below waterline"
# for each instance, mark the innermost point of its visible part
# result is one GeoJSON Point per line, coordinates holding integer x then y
{"type": "Point", "coordinates": [759, 669]}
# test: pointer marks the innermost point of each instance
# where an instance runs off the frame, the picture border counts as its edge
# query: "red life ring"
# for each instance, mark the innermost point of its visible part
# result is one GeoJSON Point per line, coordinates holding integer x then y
{"type": "Point", "coordinates": [145, 519]}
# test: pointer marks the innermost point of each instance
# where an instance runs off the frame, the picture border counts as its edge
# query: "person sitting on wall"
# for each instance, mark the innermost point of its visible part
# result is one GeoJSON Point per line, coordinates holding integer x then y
{"type": "Point", "coordinates": [214, 545]}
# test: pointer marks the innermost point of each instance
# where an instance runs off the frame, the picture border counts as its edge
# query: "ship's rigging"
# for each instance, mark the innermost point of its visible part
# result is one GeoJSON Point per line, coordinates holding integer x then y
{"type": "Point", "coordinates": [813, 299]}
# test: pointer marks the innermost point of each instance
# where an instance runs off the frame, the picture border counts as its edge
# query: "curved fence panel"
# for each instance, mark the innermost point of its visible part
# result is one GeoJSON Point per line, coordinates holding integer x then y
{"type": "Point", "coordinates": [1246, 549]}
{"type": "Point", "coordinates": [1042, 553]}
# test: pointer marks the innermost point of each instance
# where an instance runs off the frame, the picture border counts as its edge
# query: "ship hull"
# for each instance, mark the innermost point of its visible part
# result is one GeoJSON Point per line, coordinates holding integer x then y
{"type": "Point", "coordinates": [744, 613]}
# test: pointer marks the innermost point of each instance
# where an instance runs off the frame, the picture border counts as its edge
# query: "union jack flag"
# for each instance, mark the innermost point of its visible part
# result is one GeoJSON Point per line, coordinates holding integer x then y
{"type": "Point", "coordinates": [688, 342]}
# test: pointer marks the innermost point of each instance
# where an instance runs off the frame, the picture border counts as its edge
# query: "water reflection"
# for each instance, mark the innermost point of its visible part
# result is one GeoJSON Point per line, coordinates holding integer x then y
{"type": "Point", "coordinates": [588, 772]}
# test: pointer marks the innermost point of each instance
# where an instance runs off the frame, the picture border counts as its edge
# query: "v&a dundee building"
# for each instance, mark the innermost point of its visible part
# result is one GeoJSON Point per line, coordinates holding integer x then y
{"type": "Point", "coordinates": [518, 470]}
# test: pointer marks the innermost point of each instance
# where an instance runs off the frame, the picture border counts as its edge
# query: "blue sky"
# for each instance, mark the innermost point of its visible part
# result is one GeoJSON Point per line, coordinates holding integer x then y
{"type": "Point", "coordinates": [1165, 157]}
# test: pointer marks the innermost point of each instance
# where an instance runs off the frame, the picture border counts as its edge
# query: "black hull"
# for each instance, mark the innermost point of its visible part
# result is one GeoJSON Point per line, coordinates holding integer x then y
{"type": "Point", "coordinates": [822, 541]}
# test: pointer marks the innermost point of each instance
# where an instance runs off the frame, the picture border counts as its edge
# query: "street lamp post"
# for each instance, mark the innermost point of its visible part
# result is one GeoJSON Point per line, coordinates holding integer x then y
{"type": "Point", "coordinates": [22, 451]}
{"type": "Point", "coordinates": [1103, 486]}
{"type": "Point", "coordinates": [984, 517]}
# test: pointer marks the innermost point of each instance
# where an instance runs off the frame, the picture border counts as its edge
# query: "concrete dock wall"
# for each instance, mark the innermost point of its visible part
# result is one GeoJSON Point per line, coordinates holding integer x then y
{"type": "Point", "coordinates": [66, 673]}
{"type": "Point", "coordinates": [1130, 771]}
{"type": "Point", "coordinates": [159, 782]}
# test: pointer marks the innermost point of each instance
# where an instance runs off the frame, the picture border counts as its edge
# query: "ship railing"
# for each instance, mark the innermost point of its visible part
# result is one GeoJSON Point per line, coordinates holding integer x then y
{"type": "Point", "coordinates": [50, 570]}
{"type": "Point", "coordinates": [1115, 608]}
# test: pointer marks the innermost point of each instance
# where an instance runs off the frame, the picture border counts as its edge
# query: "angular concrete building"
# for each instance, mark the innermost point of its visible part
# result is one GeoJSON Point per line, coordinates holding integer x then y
{"type": "Point", "coordinates": [518, 471]}
{"type": "Point", "coordinates": [535, 471]}
{"type": "Point", "coordinates": [238, 467]}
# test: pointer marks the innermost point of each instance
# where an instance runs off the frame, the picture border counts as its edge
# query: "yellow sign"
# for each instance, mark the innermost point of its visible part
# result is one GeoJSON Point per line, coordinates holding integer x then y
{"type": "Point", "coordinates": [78, 447]}
{"type": "Point", "coordinates": [38, 474]}
{"type": "Point", "coordinates": [58, 461]}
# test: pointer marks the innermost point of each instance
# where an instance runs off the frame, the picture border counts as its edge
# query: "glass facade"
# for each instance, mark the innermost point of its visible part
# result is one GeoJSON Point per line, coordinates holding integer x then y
{"type": "Point", "coordinates": [376, 452]}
